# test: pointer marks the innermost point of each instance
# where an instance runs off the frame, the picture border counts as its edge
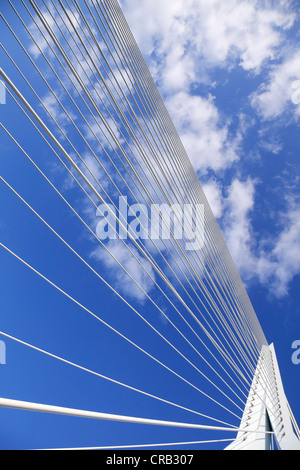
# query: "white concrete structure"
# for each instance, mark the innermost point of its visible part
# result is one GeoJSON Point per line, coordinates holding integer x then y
{"type": "Point", "coordinates": [267, 409]}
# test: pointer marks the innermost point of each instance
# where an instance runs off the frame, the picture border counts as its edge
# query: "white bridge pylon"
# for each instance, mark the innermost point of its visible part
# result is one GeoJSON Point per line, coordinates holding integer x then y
{"type": "Point", "coordinates": [267, 416]}
{"type": "Point", "coordinates": [97, 78]}
{"type": "Point", "coordinates": [267, 409]}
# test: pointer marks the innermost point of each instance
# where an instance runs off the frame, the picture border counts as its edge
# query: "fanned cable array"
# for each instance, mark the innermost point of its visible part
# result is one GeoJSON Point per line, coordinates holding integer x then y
{"type": "Point", "coordinates": [76, 76]}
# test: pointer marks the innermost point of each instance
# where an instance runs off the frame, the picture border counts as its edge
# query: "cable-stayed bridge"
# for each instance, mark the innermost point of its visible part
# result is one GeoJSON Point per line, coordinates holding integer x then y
{"type": "Point", "coordinates": [175, 343]}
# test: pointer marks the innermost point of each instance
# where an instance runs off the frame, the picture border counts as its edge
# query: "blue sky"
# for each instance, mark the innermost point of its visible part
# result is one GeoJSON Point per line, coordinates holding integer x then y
{"type": "Point", "coordinates": [228, 75]}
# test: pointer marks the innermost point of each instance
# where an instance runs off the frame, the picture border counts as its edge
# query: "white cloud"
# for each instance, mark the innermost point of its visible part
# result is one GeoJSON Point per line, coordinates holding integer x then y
{"type": "Point", "coordinates": [95, 130]}
{"type": "Point", "coordinates": [213, 192]}
{"type": "Point", "coordinates": [54, 109]}
{"type": "Point", "coordinates": [184, 34]}
{"type": "Point", "coordinates": [284, 261]}
{"type": "Point", "coordinates": [203, 134]}
{"type": "Point", "coordinates": [276, 96]}
{"type": "Point", "coordinates": [238, 233]}
{"type": "Point", "coordinates": [55, 23]}
{"type": "Point", "coordinates": [137, 267]}
{"type": "Point", "coordinates": [272, 261]}
{"type": "Point", "coordinates": [184, 41]}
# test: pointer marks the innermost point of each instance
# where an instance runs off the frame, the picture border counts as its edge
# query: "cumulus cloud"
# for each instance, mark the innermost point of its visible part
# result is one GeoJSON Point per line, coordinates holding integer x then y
{"type": "Point", "coordinates": [184, 41]}
{"type": "Point", "coordinates": [284, 259]}
{"type": "Point", "coordinates": [56, 23]}
{"type": "Point", "coordinates": [273, 261]}
{"type": "Point", "coordinates": [202, 131]}
{"type": "Point", "coordinates": [213, 193]}
{"type": "Point", "coordinates": [275, 96]}
{"type": "Point", "coordinates": [135, 267]}
{"type": "Point", "coordinates": [238, 206]}
{"type": "Point", "coordinates": [216, 32]}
